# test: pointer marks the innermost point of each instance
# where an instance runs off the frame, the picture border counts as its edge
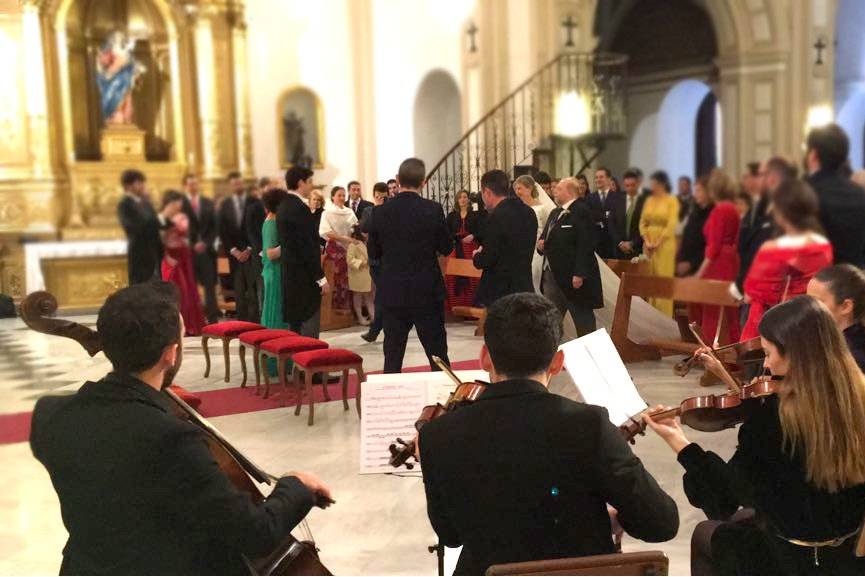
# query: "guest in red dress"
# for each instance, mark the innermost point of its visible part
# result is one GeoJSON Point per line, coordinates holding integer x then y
{"type": "Point", "coordinates": [463, 222]}
{"type": "Point", "coordinates": [721, 258]}
{"type": "Point", "coordinates": [177, 267]}
{"type": "Point", "coordinates": [783, 266]}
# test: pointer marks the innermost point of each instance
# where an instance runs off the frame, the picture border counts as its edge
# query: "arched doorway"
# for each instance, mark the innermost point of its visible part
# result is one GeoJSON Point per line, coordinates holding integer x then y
{"type": "Point", "coordinates": [687, 129]}
{"type": "Point", "coordinates": [437, 117]}
{"type": "Point", "coordinates": [850, 77]}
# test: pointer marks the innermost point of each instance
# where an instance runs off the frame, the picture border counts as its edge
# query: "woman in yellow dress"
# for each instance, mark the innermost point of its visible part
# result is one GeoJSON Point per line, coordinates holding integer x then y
{"type": "Point", "coordinates": [658, 229]}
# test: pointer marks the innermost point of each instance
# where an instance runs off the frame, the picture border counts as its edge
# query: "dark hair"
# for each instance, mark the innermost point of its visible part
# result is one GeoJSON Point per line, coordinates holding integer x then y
{"type": "Point", "coordinates": [263, 181]}
{"type": "Point", "coordinates": [582, 178]}
{"type": "Point", "coordinates": [351, 183]}
{"type": "Point", "coordinates": [136, 324]}
{"type": "Point", "coordinates": [130, 177]}
{"type": "Point", "coordinates": [411, 173]}
{"type": "Point", "coordinates": [187, 177]}
{"type": "Point", "coordinates": [356, 232]}
{"type": "Point", "coordinates": [782, 166]}
{"type": "Point", "coordinates": [522, 333]}
{"type": "Point", "coordinates": [637, 171]}
{"type": "Point", "coordinates": [273, 198]}
{"type": "Point", "coordinates": [497, 182]}
{"type": "Point", "coordinates": [170, 196]}
{"type": "Point", "coordinates": [630, 173]}
{"type": "Point", "coordinates": [831, 144]}
{"type": "Point", "coordinates": [334, 190]}
{"type": "Point", "coordinates": [605, 170]}
{"type": "Point", "coordinates": [542, 177]}
{"type": "Point", "coordinates": [295, 174]}
{"type": "Point", "coordinates": [379, 187]}
{"type": "Point", "coordinates": [457, 196]}
{"type": "Point", "coordinates": [845, 281]}
{"type": "Point", "coordinates": [661, 178]}
{"type": "Point", "coordinates": [753, 168]}
{"type": "Point", "coordinates": [232, 175]}
{"type": "Point", "coordinates": [392, 180]}
{"type": "Point", "coordinates": [797, 202]}
{"type": "Point", "coordinates": [685, 178]}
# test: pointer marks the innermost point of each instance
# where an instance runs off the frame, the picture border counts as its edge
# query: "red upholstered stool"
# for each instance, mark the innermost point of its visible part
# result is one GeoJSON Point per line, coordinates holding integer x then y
{"type": "Point", "coordinates": [254, 340]}
{"type": "Point", "coordinates": [190, 399]}
{"type": "Point", "coordinates": [324, 362]}
{"type": "Point", "coordinates": [282, 350]}
{"type": "Point", "coordinates": [226, 332]}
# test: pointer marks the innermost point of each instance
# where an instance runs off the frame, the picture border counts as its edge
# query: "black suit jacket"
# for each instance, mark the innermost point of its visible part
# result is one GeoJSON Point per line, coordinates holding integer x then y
{"type": "Point", "coordinates": [253, 221]}
{"type": "Point", "coordinates": [605, 214]}
{"type": "Point", "coordinates": [144, 244]}
{"type": "Point", "coordinates": [232, 233]}
{"type": "Point", "coordinates": [202, 226]}
{"type": "Point", "coordinates": [407, 234]}
{"type": "Point", "coordinates": [569, 247]}
{"type": "Point", "coordinates": [509, 236]}
{"type": "Point", "coordinates": [752, 237]}
{"type": "Point", "coordinates": [842, 210]}
{"type": "Point", "coordinates": [692, 248]}
{"type": "Point", "coordinates": [140, 492]}
{"type": "Point", "coordinates": [522, 474]}
{"type": "Point", "coordinates": [361, 206]}
{"type": "Point", "coordinates": [618, 224]}
{"type": "Point", "coordinates": [301, 259]}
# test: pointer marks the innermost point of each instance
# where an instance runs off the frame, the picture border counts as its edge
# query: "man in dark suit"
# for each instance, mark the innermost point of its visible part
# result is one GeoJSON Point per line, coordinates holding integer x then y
{"type": "Point", "coordinates": [571, 278]}
{"type": "Point", "coordinates": [522, 474]}
{"type": "Point", "coordinates": [407, 234]}
{"type": "Point", "coordinates": [625, 218]}
{"type": "Point", "coordinates": [303, 280]}
{"type": "Point", "coordinates": [380, 195]}
{"type": "Point", "coordinates": [508, 241]}
{"type": "Point", "coordinates": [202, 236]}
{"type": "Point", "coordinates": [253, 219]}
{"type": "Point", "coordinates": [141, 493]}
{"type": "Point", "coordinates": [605, 205]}
{"type": "Point", "coordinates": [842, 203]}
{"type": "Point", "coordinates": [232, 236]}
{"type": "Point", "coordinates": [142, 226]}
{"type": "Point", "coordinates": [356, 201]}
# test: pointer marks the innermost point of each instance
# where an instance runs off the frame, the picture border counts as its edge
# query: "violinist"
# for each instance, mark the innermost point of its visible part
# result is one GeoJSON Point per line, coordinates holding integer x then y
{"type": "Point", "coordinates": [841, 288]}
{"type": "Point", "coordinates": [799, 462]}
{"type": "Point", "coordinates": [140, 492]}
{"type": "Point", "coordinates": [522, 474]}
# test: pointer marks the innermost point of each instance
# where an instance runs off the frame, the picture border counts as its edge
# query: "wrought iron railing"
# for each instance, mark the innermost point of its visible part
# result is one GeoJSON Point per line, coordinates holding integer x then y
{"type": "Point", "coordinates": [526, 121]}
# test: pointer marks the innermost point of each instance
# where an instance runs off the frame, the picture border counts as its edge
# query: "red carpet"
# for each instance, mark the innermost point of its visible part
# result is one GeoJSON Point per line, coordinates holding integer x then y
{"type": "Point", "coordinates": [15, 427]}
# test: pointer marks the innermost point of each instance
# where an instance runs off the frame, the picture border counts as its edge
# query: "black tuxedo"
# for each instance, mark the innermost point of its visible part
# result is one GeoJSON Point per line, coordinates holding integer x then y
{"type": "Point", "coordinates": [144, 244]}
{"type": "Point", "coordinates": [301, 261]}
{"type": "Point", "coordinates": [754, 229]}
{"type": "Point", "coordinates": [842, 209]}
{"type": "Point", "coordinates": [361, 206]}
{"type": "Point", "coordinates": [618, 224]}
{"type": "Point", "coordinates": [140, 492]}
{"type": "Point", "coordinates": [202, 228]}
{"type": "Point", "coordinates": [522, 474]}
{"type": "Point", "coordinates": [604, 213]}
{"type": "Point", "coordinates": [407, 234]}
{"type": "Point", "coordinates": [233, 234]}
{"type": "Point", "coordinates": [509, 237]}
{"type": "Point", "coordinates": [253, 221]}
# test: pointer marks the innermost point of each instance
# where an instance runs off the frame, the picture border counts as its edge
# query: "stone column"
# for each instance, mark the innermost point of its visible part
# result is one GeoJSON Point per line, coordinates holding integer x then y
{"type": "Point", "coordinates": [208, 104]}
{"type": "Point", "coordinates": [243, 132]}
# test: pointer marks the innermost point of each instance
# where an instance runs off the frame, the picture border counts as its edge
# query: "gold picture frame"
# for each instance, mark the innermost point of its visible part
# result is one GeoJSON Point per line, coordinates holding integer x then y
{"type": "Point", "coordinates": [295, 107]}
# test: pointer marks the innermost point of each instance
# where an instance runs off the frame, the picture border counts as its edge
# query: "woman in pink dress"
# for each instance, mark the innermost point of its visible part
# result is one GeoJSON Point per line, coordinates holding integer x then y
{"type": "Point", "coordinates": [177, 267]}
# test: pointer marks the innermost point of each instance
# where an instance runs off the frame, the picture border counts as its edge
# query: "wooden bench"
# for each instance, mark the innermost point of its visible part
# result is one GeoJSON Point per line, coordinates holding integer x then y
{"type": "Point", "coordinates": [223, 295]}
{"type": "Point", "coordinates": [625, 266]}
{"type": "Point", "coordinates": [685, 290]}
{"type": "Point", "coordinates": [637, 563]}
{"type": "Point", "coordinates": [332, 318]}
{"type": "Point", "coordinates": [464, 267]}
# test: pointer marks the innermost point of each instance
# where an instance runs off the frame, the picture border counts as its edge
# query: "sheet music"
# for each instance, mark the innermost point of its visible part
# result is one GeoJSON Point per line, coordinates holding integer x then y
{"type": "Point", "coordinates": [596, 368]}
{"type": "Point", "coordinates": [390, 405]}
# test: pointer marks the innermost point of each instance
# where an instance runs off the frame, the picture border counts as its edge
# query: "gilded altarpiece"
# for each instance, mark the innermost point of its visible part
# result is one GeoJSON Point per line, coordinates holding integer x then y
{"type": "Point", "coordinates": [92, 87]}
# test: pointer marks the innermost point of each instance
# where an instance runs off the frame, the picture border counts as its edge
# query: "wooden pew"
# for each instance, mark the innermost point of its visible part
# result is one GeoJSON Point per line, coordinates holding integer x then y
{"type": "Point", "coordinates": [332, 318]}
{"type": "Point", "coordinates": [636, 563]}
{"type": "Point", "coordinates": [465, 268]}
{"type": "Point", "coordinates": [685, 290]}
{"type": "Point", "coordinates": [625, 266]}
{"type": "Point", "coordinates": [223, 303]}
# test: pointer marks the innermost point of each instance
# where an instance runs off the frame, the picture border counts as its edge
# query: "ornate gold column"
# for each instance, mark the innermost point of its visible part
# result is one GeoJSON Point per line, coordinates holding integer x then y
{"type": "Point", "coordinates": [205, 69]}
{"type": "Point", "coordinates": [242, 122]}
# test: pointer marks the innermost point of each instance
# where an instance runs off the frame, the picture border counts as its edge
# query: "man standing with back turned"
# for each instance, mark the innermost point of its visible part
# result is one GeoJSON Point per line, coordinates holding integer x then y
{"type": "Point", "coordinates": [408, 234]}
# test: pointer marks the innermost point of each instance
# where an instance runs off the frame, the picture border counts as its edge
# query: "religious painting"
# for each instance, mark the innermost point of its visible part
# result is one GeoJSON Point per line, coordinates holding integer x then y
{"type": "Point", "coordinates": [116, 73]}
{"type": "Point", "coordinates": [300, 129]}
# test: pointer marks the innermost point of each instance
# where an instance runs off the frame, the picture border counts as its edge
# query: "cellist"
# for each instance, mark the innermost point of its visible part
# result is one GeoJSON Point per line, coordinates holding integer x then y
{"type": "Point", "coordinates": [140, 492]}
{"type": "Point", "coordinates": [799, 463]}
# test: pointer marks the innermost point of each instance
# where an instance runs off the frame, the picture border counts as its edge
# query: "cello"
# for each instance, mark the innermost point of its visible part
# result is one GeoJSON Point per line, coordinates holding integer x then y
{"type": "Point", "coordinates": [292, 556]}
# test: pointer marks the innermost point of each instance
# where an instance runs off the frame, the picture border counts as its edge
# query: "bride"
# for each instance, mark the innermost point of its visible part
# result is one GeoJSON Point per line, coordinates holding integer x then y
{"type": "Point", "coordinates": [534, 196]}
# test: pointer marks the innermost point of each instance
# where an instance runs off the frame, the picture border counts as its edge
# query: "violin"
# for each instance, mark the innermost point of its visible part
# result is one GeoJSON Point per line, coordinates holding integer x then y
{"type": "Point", "coordinates": [292, 556]}
{"type": "Point", "coordinates": [401, 452]}
{"type": "Point", "coordinates": [742, 353]}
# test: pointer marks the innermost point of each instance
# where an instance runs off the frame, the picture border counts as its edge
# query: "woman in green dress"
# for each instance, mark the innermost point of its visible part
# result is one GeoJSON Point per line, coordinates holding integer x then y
{"type": "Point", "coordinates": [271, 313]}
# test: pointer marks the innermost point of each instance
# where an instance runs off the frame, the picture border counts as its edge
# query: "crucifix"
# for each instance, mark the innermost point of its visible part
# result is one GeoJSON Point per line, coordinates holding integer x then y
{"type": "Point", "coordinates": [820, 46]}
{"type": "Point", "coordinates": [472, 31]}
{"type": "Point", "coordinates": [569, 25]}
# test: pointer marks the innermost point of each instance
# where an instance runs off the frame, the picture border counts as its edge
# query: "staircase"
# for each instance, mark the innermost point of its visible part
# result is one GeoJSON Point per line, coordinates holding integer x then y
{"type": "Point", "coordinates": [522, 131]}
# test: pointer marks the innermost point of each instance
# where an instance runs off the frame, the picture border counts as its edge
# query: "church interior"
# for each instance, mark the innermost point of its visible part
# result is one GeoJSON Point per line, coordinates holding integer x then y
{"type": "Point", "coordinates": [229, 96]}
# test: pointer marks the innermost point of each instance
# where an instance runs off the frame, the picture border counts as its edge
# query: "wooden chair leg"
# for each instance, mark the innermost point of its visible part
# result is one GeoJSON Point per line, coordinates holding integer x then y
{"type": "Point", "coordinates": [264, 357]}
{"type": "Point", "coordinates": [242, 351]}
{"type": "Point", "coordinates": [206, 356]}
{"type": "Point", "coordinates": [295, 379]}
{"type": "Point", "coordinates": [360, 379]}
{"type": "Point", "coordinates": [281, 371]}
{"type": "Point", "coordinates": [345, 389]}
{"type": "Point", "coordinates": [309, 374]}
{"type": "Point", "coordinates": [325, 377]}
{"type": "Point", "coordinates": [256, 357]}
{"type": "Point", "coordinates": [226, 357]}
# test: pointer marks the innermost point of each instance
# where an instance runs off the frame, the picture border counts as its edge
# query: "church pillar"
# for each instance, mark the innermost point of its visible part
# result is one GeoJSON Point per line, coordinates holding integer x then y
{"type": "Point", "coordinates": [360, 14]}
{"type": "Point", "coordinates": [208, 89]}
{"type": "Point", "coordinates": [241, 92]}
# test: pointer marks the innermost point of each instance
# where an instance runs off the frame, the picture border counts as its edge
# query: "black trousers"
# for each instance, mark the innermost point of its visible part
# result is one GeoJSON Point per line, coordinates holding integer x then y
{"type": "Point", "coordinates": [582, 315]}
{"type": "Point", "coordinates": [430, 325]}
{"type": "Point", "coordinates": [205, 274]}
{"type": "Point", "coordinates": [377, 321]}
{"type": "Point", "coordinates": [246, 276]}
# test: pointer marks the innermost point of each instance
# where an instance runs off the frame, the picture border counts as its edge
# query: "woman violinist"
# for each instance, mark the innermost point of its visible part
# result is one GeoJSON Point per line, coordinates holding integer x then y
{"type": "Point", "coordinates": [799, 463]}
{"type": "Point", "coordinates": [842, 289]}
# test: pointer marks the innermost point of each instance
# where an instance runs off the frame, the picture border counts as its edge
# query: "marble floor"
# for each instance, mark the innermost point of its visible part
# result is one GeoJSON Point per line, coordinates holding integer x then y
{"type": "Point", "coordinates": [379, 524]}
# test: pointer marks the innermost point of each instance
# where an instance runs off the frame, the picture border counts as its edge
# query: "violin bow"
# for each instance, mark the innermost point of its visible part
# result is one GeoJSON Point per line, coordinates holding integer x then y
{"type": "Point", "coordinates": [726, 376]}
{"type": "Point", "coordinates": [447, 370]}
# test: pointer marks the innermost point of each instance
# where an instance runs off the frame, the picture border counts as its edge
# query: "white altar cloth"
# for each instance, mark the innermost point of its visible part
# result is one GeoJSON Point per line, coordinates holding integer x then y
{"type": "Point", "coordinates": [35, 252]}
